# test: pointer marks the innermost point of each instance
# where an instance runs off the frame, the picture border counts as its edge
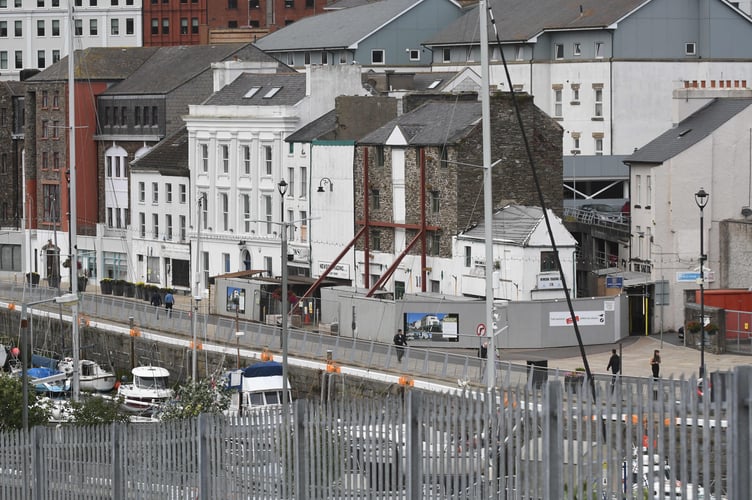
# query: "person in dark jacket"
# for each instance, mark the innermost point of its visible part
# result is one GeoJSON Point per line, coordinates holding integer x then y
{"type": "Point", "coordinates": [156, 299]}
{"type": "Point", "coordinates": [400, 342]}
{"type": "Point", "coordinates": [614, 364]}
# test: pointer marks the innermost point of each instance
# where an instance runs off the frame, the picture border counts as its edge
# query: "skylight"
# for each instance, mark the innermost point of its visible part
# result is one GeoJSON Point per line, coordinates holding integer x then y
{"type": "Point", "coordinates": [434, 84]}
{"type": "Point", "coordinates": [251, 92]}
{"type": "Point", "coordinates": [272, 92]}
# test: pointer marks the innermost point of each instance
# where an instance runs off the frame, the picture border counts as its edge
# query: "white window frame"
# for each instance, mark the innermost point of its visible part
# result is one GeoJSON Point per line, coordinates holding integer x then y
{"type": "Point", "coordinates": [414, 54]}
{"type": "Point", "coordinates": [246, 159]}
{"type": "Point", "coordinates": [204, 155]}
{"type": "Point", "coordinates": [558, 106]}
{"type": "Point", "coordinates": [378, 54]}
{"type": "Point", "coordinates": [577, 49]}
{"type": "Point", "coordinates": [598, 50]}
{"type": "Point", "coordinates": [558, 51]}
{"type": "Point", "coordinates": [638, 190]}
{"type": "Point", "coordinates": [224, 202]}
{"type": "Point", "coordinates": [268, 159]}
{"type": "Point", "coordinates": [246, 201]}
{"type": "Point", "coordinates": [690, 49]}
{"type": "Point", "coordinates": [225, 151]}
{"type": "Point", "coordinates": [598, 102]}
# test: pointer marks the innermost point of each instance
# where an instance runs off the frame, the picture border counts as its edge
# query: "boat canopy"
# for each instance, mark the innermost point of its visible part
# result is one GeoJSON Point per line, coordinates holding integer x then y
{"type": "Point", "coordinates": [263, 369]}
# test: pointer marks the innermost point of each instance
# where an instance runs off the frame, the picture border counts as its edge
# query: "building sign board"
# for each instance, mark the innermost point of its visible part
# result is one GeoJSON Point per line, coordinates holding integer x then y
{"type": "Point", "coordinates": [614, 282]}
{"type": "Point", "coordinates": [693, 276]}
{"type": "Point", "coordinates": [341, 271]}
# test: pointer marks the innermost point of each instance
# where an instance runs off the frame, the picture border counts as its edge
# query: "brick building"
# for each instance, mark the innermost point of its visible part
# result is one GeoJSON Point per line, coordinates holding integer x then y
{"type": "Point", "coordinates": [194, 22]}
{"type": "Point", "coordinates": [11, 147]}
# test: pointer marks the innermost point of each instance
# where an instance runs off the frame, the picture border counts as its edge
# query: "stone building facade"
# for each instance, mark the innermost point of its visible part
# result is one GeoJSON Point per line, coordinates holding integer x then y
{"type": "Point", "coordinates": [452, 200]}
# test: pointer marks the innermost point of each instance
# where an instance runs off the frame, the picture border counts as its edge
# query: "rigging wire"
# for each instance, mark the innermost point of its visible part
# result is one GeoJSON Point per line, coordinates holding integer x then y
{"type": "Point", "coordinates": [542, 201]}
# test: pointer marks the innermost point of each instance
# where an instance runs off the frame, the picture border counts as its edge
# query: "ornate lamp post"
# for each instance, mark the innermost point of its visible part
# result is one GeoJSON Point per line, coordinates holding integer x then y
{"type": "Point", "coordinates": [282, 188]}
{"type": "Point", "coordinates": [701, 198]}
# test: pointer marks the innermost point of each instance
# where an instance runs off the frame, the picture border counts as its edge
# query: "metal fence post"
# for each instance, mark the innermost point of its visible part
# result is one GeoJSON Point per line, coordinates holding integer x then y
{"type": "Point", "coordinates": [412, 450]}
{"type": "Point", "coordinates": [739, 425]}
{"type": "Point", "coordinates": [552, 453]}
{"type": "Point", "coordinates": [118, 489]}
{"type": "Point", "coordinates": [204, 433]}
{"type": "Point", "coordinates": [37, 463]}
{"type": "Point", "coordinates": [300, 439]}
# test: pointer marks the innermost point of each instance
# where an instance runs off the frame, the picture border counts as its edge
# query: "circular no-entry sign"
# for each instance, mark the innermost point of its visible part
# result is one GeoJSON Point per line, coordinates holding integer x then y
{"type": "Point", "coordinates": [480, 330]}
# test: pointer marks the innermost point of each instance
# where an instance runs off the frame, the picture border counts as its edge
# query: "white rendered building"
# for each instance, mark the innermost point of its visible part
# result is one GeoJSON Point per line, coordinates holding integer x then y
{"type": "Point", "coordinates": [34, 33]}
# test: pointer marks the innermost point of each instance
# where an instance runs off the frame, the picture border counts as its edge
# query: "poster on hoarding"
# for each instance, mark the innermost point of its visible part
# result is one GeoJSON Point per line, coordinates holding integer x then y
{"type": "Point", "coordinates": [433, 326]}
{"type": "Point", "coordinates": [236, 300]}
{"type": "Point", "coordinates": [584, 318]}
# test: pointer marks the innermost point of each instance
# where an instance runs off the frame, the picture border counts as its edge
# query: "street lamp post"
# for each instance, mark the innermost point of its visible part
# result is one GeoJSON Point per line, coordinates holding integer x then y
{"type": "Point", "coordinates": [282, 188]}
{"type": "Point", "coordinates": [238, 333]}
{"type": "Point", "coordinates": [701, 198]}
{"type": "Point", "coordinates": [67, 299]}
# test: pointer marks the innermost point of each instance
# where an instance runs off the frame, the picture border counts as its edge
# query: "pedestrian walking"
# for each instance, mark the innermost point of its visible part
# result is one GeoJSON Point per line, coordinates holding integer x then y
{"type": "Point", "coordinates": [400, 342]}
{"type": "Point", "coordinates": [614, 364]}
{"type": "Point", "coordinates": [655, 364]}
{"type": "Point", "coordinates": [169, 301]}
{"type": "Point", "coordinates": [156, 300]}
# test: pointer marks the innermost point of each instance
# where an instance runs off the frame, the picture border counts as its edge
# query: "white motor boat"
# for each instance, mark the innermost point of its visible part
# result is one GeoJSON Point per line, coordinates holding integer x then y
{"type": "Point", "coordinates": [148, 390]}
{"type": "Point", "coordinates": [256, 387]}
{"type": "Point", "coordinates": [91, 376]}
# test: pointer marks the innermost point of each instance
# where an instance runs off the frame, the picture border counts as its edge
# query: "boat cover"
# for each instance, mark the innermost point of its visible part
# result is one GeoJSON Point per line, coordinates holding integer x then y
{"type": "Point", "coordinates": [263, 369]}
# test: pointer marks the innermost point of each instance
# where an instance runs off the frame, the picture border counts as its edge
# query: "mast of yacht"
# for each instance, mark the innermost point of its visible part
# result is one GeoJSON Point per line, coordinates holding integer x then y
{"type": "Point", "coordinates": [72, 223]}
{"type": "Point", "coordinates": [485, 101]}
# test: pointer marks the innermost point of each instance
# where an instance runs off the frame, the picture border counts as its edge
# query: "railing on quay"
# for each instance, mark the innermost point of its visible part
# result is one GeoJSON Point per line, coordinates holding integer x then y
{"type": "Point", "coordinates": [450, 367]}
{"type": "Point", "coordinates": [551, 441]}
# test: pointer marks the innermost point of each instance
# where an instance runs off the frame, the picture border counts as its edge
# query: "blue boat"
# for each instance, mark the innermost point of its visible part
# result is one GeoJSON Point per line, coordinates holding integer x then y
{"type": "Point", "coordinates": [37, 376]}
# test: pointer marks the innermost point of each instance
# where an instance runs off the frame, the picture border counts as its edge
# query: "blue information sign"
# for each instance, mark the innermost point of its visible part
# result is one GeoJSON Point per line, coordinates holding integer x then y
{"type": "Point", "coordinates": [614, 282]}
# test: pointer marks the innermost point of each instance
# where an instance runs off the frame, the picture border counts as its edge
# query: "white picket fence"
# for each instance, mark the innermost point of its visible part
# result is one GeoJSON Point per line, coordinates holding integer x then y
{"type": "Point", "coordinates": [643, 440]}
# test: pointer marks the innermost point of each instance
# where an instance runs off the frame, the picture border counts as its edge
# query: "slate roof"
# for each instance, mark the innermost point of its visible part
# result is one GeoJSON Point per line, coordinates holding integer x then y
{"type": "Point", "coordinates": [170, 67]}
{"type": "Point", "coordinates": [292, 87]}
{"type": "Point", "coordinates": [433, 123]}
{"type": "Point", "coordinates": [689, 131]}
{"type": "Point", "coordinates": [13, 87]}
{"type": "Point", "coordinates": [335, 29]}
{"type": "Point", "coordinates": [513, 224]}
{"type": "Point", "coordinates": [98, 63]}
{"type": "Point", "coordinates": [168, 157]}
{"type": "Point", "coordinates": [321, 126]}
{"type": "Point", "coordinates": [346, 4]}
{"type": "Point", "coordinates": [521, 20]}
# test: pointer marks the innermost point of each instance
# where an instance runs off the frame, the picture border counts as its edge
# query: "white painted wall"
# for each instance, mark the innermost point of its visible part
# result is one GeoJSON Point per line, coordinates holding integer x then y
{"type": "Point", "coordinates": [721, 165]}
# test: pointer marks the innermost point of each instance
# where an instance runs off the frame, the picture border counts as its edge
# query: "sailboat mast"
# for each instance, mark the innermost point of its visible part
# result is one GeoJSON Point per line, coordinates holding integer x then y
{"type": "Point", "coordinates": [72, 209]}
{"type": "Point", "coordinates": [485, 101]}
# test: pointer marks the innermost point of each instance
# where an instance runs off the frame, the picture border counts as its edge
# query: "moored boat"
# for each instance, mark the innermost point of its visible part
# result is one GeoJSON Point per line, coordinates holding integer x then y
{"type": "Point", "coordinates": [147, 391]}
{"type": "Point", "coordinates": [256, 387]}
{"type": "Point", "coordinates": [48, 381]}
{"type": "Point", "coordinates": [91, 376]}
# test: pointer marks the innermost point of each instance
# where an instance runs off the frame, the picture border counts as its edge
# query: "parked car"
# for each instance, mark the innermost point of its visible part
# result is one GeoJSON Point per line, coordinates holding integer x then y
{"type": "Point", "coordinates": [604, 212]}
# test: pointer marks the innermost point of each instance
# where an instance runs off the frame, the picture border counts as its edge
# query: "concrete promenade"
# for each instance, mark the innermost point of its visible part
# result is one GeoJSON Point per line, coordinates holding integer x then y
{"type": "Point", "coordinates": [677, 361]}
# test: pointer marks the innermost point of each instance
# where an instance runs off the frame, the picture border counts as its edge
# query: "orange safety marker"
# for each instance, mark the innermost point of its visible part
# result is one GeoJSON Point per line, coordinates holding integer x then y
{"type": "Point", "coordinates": [406, 381]}
{"type": "Point", "coordinates": [135, 332]}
